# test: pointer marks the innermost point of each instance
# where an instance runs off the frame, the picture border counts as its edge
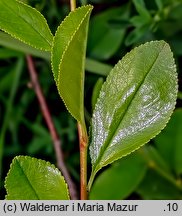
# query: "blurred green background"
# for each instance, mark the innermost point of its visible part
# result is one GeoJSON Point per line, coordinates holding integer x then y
{"type": "Point", "coordinates": [154, 171]}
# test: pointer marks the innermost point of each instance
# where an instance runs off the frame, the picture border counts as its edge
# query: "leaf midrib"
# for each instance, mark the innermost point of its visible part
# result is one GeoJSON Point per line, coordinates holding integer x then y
{"type": "Point", "coordinates": [71, 39]}
{"type": "Point", "coordinates": [65, 47]}
{"type": "Point", "coordinates": [124, 114]}
{"type": "Point", "coordinates": [47, 41]}
{"type": "Point", "coordinates": [81, 114]}
{"type": "Point", "coordinates": [27, 180]}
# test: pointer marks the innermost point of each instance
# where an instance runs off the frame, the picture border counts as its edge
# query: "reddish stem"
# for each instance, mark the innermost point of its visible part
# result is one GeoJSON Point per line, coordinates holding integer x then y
{"type": "Point", "coordinates": [83, 140]}
{"type": "Point", "coordinates": [47, 116]}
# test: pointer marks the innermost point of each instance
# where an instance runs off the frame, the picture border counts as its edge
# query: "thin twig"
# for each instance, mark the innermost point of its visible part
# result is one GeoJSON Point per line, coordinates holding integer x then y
{"type": "Point", "coordinates": [83, 140]}
{"type": "Point", "coordinates": [73, 5]}
{"type": "Point", "coordinates": [47, 116]}
{"type": "Point", "coordinates": [83, 143]}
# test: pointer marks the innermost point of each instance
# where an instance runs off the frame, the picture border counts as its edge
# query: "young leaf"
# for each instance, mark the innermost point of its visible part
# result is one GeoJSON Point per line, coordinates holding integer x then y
{"type": "Point", "coordinates": [25, 23]}
{"type": "Point", "coordinates": [68, 59]}
{"type": "Point", "coordinates": [135, 103]}
{"type": "Point", "coordinates": [142, 10]}
{"type": "Point", "coordinates": [33, 179]}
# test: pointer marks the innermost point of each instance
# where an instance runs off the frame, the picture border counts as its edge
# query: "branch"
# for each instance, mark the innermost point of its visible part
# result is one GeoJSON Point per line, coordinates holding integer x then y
{"type": "Point", "coordinates": [83, 141]}
{"type": "Point", "coordinates": [73, 5]}
{"type": "Point", "coordinates": [47, 116]}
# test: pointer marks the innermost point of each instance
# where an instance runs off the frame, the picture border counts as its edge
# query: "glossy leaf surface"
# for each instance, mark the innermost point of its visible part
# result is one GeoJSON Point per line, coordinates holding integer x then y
{"type": "Point", "coordinates": [33, 179]}
{"type": "Point", "coordinates": [119, 180]}
{"type": "Point", "coordinates": [135, 103]}
{"type": "Point", "coordinates": [96, 91]}
{"type": "Point", "coordinates": [25, 23]}
{"type": "Point", "coordinates": [68, 59]}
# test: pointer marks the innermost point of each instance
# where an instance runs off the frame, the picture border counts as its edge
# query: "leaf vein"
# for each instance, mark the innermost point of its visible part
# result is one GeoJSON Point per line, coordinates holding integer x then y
{"type": "Point", "coordinates": [31, 186]}
{"type": "Point", "coordinates": [106, 145]}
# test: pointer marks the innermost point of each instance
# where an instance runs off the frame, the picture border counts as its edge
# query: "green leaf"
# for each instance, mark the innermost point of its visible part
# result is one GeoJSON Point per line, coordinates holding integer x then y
{"type": "Point", "coordinates": [180, 95]}
{"type": "Point", "coordinates": [25, 23]}
{"type": "Point", "coordinates": [169, 142]}
{"type": "Point", "coordinates": [155, 160]}
{"type": "Point", "coordinates": [92, 65]}
{"type": "Point", "coordinates": [101, 32]}
{"type": "Point", "coordinates": [14, 44]}
{"type": "Point", "coordinates": [33, 179]}
{"type": "Point", "coordinates": [142, 10]}
{"type": "Point", "coordinates": [97, 67]}
{"type": "Point", "coordinates": [8, 53]}
{"type": "Point", "coordinates": [135, 103]}
{"type": "Point", "coordinates": [96, 91]}
{"type": "Point", "coordinates": [68, 59]}
{"type": "Point", "coordinates": [13, 82]}
{"type": "Point", "coordinates": [136, 35]}
{"type": "Point", "coordinates": [159, 4]}
{"type": "Point", "coordinates": [154, 186]}
{"type": "Point", "coordinates": [138, 21]}
{"type": "Point", "coordinates": [176, 45]}
{"type": "Point", "coordinates": [120, 180]}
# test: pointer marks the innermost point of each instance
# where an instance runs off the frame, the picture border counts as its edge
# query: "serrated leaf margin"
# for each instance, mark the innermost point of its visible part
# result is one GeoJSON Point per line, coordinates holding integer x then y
{"type": "Point", "coordinates": [97, 167]}
{"type": "Point", "coordinates": [35, 160]}
{"type": "Point", "coordinates": [20, 39]}
{"type": "Point", "coordinates": [57, 80]}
